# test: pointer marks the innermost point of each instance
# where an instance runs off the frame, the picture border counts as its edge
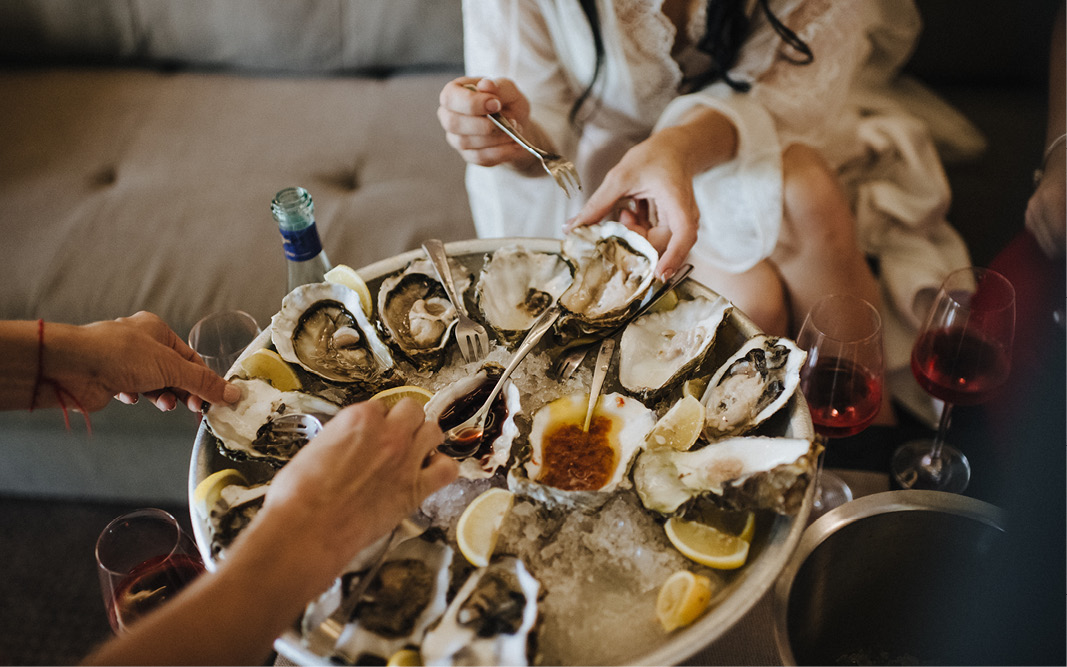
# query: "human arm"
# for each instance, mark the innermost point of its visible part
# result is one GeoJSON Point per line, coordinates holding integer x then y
{"type": "Point", "coordinates": [45, 364]}
{"type": "Point", "coordinates": [1046, 212]}
{"type": "Point", "coordinates": [348, 487]}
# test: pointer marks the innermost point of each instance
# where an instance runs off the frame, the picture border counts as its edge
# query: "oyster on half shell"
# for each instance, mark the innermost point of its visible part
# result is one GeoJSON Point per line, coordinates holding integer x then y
{"type": "Point", "coordinates": [751, 386]}
{"type": "Point", "coordinates": [490, 621]}
{"type": "Point", "coordinates": [416, 316]}
{"type": "Point", "coordinates": [516, 285]}
{"type": "Point", "coordinates": [738, 473]}
{"type": "Point", "coordinates": [571, 467]}
{"type": "Point", "coordinates": [658, 349]}
{"type": "Point", "coordinates": [322, 327]}
{"type": "Point", "coordinates": [244, 428]}
{"type": "Point", "coordinates": [615, 269]}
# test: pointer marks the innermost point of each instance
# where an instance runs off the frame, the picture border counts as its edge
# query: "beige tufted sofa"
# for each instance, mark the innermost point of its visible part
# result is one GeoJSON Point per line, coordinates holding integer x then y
{"type": "Point", "coordinates": [141, 142]}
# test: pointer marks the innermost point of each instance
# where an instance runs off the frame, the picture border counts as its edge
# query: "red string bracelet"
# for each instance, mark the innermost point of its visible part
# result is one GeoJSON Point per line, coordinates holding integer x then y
{"type": "Point", "coordinates": [58, 388]}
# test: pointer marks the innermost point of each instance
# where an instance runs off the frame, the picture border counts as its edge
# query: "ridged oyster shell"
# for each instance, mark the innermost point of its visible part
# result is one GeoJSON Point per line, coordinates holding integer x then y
{"type": "Point", "coordinates": [737, 473]}
{"type": "Point", "coordinates": [615, 269]}
{"type": "Point", "coordinates": [322, 327]}
{"type": "Point", "coordinates": [568, 467]}
{"type": "Point", "coordinates": [235, 509]}
{"type": "Point", "coordinates": [408, 594]}
{"type": "Point", "coordinates": [658, 349]}
{"type": "Point", "coordinates": [516, 285]}
{"type": "Point", "coordinates": [243, 429]}
{"type": "Point", "coordinates": [415, 314]}
{"type": "Point", "coordinates": [751, 386]}
{"type": "Point", "coordinates": [492, 455]}
{"type": "Point", "coordinates": [490, 620]}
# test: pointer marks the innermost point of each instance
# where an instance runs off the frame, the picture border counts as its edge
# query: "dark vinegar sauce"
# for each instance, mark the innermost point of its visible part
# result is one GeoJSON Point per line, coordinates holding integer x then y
{"type": "Point", "coordinates": [461, 410]}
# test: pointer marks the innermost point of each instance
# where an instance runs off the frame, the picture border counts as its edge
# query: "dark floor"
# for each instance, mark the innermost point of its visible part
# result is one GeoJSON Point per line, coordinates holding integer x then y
{"type": "Point", "coordinates": [52, 611]}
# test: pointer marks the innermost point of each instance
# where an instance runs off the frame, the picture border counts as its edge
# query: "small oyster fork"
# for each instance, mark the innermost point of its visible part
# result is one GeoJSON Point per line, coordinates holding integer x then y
{"type": "Point", "coordinates": [471, 336]}
{"type": "Point", "coordinates": [557, 166]}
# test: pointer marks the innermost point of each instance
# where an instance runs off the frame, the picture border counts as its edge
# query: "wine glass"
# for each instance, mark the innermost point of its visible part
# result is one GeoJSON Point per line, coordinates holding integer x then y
{"type": "Point", "coordinates": [962, 355]}
{"type": "Point", "coordinates": [143, 558]}
{"type": "Point", "coordinates": [841, 379]}
{"type": "Point", "coordinates": [219, 338]}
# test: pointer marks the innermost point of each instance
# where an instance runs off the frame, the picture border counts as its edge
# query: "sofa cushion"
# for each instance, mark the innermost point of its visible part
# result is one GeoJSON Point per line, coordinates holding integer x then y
{"type": "Point", "coordinates": [128, 190]}
{"type": "Point", "coordinates": [290, 36]}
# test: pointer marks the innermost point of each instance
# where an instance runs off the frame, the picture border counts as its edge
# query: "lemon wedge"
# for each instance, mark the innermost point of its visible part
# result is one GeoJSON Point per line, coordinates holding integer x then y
{"type": "Point", "coordinates": [393, 395]}
{"type": "Point", "coordinates": [680, 427]}
{"type": "Point", "coordinates": [405, 657]}
{"type": "Point", "coordinates": [707, 544]}
{"type": "Point", "coordinates": [682, 598]}
{"type": "Point", "coordinates": [479, 525]}
{"type": "Point", "coordinates": [342, 274]}
{"type": "Point", "coordinates": [666, 302]}
{"type": "Point", "coordinates": [207, 492]}
{"type": "Point", "coordinates": [695, 387]}
{"type": "Point", "coordinates": [265, 364]}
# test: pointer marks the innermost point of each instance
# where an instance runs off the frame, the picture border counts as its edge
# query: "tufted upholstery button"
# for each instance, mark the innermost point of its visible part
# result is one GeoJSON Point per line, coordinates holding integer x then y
{"type": "Point", "coordinates": [104, 177]}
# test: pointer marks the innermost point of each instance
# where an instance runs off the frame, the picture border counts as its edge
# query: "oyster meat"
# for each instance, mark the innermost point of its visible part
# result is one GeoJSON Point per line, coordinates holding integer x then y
{"type": "Point", "coordinates": [659, 349]}
{"type": "Point", "coordinates": [491, 621]}
{"type": "Point", "coordinates": [614, 272]}
{"type": "Point", "coordinates": [322, 328]}
{"type": "Point", "coordinates": [454, 404]}
{"type": "Point", "coordinates": [236, 507]}
{"type": "Point", "coordinates": [244, 429]}
{"type": "Point", "coordinates": [407, 594]}
{"type": "Point", "coordinates": [751, 386]}
{"type": "Point", "coordinates": [416, 315]}
{"type": "Point", "coordinates": [570, 466]}
{"type": "Point", "coordinates": [736, 473]}
{"type": "Point", "coordinates": [516, 285]}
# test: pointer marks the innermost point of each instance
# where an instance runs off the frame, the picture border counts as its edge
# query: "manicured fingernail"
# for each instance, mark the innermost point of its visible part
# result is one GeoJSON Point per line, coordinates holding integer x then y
{"type": "Point", "coordinates": [231, 394]}
{"type": "Point", "coordinates": [493, 106]}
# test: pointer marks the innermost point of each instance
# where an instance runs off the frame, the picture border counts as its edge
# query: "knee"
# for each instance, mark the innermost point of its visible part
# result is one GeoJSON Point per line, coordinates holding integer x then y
{"type": "Point", "coordinates": [814, 203]}
{"type": "Point", "coordinates": [759, 293]}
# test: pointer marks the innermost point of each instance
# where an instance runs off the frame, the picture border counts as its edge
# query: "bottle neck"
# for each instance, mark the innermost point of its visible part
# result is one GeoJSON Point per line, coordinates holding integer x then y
{"type": "Point", "coordinates": [294, 212]}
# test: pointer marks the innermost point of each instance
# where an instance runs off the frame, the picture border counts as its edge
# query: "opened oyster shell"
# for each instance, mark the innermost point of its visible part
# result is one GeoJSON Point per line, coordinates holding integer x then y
{"type": "Point", "coordinates": [244, 428]}
{"type": "Point", "coordinates": [454, 404]}
{"type": "Point", "coordinates": [572, 467]}
{"type": "Point", "coordinates": [659, 349]}
{"type": "Point", "coordinates": [416, 315]}
{"type": "Point", "coordinates": [490, 621]}
{"type": "Point", "coordinates": [751, 386]}
{"type": "Point", "coordinates": [408, 593]}
{"type": "Point", "coordinates": [615, 268]}
{"type": "Point", "coordinates": [738, 473]}
{"type": "Point", "coordinates": [236, 507]}
{"type": "Point", "coordinates": [516, 285]}
{"type": "Point", "coordinates": [322, 327]}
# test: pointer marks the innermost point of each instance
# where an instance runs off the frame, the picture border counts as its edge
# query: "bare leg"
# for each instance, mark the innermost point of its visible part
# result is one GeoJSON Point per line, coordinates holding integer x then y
{"type": "Point", "coordinates": [758, 293]}
{"type": "Point", "coordinates": [823, 255]}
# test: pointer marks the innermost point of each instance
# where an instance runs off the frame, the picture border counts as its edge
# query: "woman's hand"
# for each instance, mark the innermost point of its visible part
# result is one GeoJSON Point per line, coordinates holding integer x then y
{"type": "Point", "coordinates": [1046, 212]}
{"type": "Point", "coordinates": [126, 357]}
{"type": "Point", "coordinates": [462, 113]}
{"type": "Point", "coordinates": [370, 467]}
{"type": "Point", "coordinates": [654, 182]}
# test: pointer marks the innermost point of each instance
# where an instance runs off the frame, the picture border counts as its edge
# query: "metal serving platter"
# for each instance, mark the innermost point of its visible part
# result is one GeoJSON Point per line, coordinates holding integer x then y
{"type": "Point", "coordinates": [776, 536]}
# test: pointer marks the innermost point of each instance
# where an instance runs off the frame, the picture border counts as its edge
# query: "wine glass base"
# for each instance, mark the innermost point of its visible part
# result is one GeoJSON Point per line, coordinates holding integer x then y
{"type": "Point", "coordinates": [913, 468]}
{"type": "Point", "coordinates": [831, 492]}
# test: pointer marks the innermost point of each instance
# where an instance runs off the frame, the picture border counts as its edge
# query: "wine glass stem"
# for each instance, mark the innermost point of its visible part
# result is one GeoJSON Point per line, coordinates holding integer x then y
{"type": "Point", "coordinates": [942, 431]}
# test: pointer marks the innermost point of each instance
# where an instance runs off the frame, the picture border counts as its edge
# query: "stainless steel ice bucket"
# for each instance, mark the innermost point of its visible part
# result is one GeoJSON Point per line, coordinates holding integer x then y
{"type": "Point", "coordinates": [891, 578]}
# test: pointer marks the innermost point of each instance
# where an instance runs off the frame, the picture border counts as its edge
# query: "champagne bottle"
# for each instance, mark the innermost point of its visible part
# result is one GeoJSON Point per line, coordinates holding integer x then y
{"type": "Point", "coordinates": [295, 213]}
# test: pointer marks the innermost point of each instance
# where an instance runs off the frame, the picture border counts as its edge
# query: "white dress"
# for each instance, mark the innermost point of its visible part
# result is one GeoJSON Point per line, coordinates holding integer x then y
{"type": "Point", "coordinates": [851, 103]}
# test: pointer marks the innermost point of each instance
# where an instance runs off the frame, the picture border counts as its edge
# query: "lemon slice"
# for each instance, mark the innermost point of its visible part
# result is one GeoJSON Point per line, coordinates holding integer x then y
{"type": "Point", "coordinates": [741, 523]}
{"type": "Point", "coordinates": [342, 274]}
{"type": "Point", "coordinates": [680, 427]}
{"type": "Point", "coordinates": [706, 544]}
{"type": "Point", "coordinates": [405, 657]}
{"type": "Point", "coordinates": [265, 364]}
{"type": "Point", "coordinates": [207, 492]}
{"type": "Point", "coordinates": [393, 395]}
{"type": "Point", "coordinates": [666, 302]}
{"type": "Point", "coordinates": [695, 387]}
{"type": "Point", "coordinates": [479, 525]}
{"type": "Point", "coordinates": [682, 598]}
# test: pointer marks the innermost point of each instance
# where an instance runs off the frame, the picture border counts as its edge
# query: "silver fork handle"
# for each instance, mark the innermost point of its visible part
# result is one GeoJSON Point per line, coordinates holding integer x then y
{"type": "Point", "coordinates": [540, 326]}
{"type": "Point", "coordinates": [435, 250]}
